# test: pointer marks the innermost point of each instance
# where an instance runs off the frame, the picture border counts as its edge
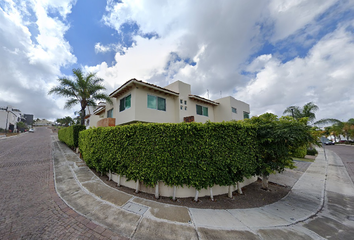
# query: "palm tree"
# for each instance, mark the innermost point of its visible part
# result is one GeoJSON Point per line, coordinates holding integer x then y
{"type": "Point", "coordinates": [338, 127]}
{"type": "Point", "coordinates": [84, 90]}
{"type": "Point", "coordinates": [308, 110]}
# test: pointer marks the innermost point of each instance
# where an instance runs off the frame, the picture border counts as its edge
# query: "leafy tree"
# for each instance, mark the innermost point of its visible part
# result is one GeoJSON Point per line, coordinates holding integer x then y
{"type": "Point", "coordinates": [308, 111]}
{"type": "Point", "coordinates": [84, 89]}
{"type": "Point", "coordinates": [21, 125]}
{"type": "Point", "coordinates": [338, 127]}
{"type": "Point", "coordinates": [67, 121]}
{"type": "Point", "coordinates": [276, 137]}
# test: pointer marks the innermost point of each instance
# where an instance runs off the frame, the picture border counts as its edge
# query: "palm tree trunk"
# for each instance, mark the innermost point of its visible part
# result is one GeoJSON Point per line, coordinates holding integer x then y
{"type": "Point", "coordinates": [83, 116]}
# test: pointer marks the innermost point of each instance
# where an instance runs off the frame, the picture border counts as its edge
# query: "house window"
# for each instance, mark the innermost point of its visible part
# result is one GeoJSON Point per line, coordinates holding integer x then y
{"type": "Point", "coordinates": [110, 113]}
{"type": "Point", "coordinates": [202, 110]}
{"type": "Point", "coordinates": [246, 115]}
{"type": "Point", "coordinates": [125, 103]}
{"type": "Point", "coordinates": [234, 110]}
{"type": "Point", "coordinates": [181, 101]}
{"type": "Point", "coordinates": [185, 102]}
{"type": "Point", "coordinates": [181, 107]}
{"type": "Point", "coordinates": [154, 102]}
{"type": "Point", "coordinates": [185, 108]}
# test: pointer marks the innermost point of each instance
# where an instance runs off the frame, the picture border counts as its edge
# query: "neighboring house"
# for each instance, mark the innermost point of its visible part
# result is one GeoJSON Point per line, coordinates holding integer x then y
{"type": "Point", "coordinates": [138, 101]}
{"type": "Point", "coordinates": [93, 115]}
{"type": "Point", "coordinates": [9, 117]}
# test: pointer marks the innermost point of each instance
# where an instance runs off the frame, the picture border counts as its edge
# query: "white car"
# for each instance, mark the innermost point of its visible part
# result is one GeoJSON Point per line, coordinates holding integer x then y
{"type": "Point", "coordinates": [31, 130]}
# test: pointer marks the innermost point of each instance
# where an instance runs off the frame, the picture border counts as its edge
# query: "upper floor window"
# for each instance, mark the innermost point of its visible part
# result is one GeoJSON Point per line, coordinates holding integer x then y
{"type": "Point", "coordinates": [125, 103]}
{"type": "Point", "coordinates": [158, 103]}
{"type": "Point", "coordinates": [202, 110]}
{"type": "Point", "coordinates": [234, 110]}
{"type": "Point", "coordinates": [246, 115]}
{"type": "Point", "coordinates": [110, 113]}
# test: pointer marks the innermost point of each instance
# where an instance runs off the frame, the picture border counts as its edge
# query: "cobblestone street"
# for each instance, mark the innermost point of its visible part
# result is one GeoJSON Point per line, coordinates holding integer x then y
{"type": "Point", "coordinates": [29, 206]}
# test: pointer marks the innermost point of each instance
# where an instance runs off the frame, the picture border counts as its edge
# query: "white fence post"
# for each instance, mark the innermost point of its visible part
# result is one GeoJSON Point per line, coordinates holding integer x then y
{"type": "Point", "coordinates": [211, 194]}
{"type": "Point", "coordinates": [137, 186]}
{"type": "Point", "coordinates": [118, 181]}
{"type": "Point", "coordinates": [196, 196]}
{"type": "Point", "coordinates": [174, 193]}
{"type": "Point", "coordinates": [157, 194]}
{"type": "Point", "coordinates": [230, 192]}
{"type": "Point", "coordinates": [239, 190]}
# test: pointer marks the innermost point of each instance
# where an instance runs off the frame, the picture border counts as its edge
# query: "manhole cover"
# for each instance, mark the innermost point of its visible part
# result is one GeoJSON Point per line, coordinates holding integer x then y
{"type": "Point", "coordinates": [135, 208]}
{"type": "Point", "coordinates": [351, 218]}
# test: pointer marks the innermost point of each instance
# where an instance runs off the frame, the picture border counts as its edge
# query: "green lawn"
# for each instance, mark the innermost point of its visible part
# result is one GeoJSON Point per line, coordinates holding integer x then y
{"type": "Point", "coordinates": [304, 159]}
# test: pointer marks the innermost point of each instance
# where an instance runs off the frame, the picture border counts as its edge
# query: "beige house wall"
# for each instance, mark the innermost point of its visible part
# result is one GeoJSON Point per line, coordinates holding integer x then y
{"type": "Point", "coordinates": [145, 114]}
{"type": "Point", "coordinates": [177, 107]}
{"type": "Point", "coordinates": [223, 112]}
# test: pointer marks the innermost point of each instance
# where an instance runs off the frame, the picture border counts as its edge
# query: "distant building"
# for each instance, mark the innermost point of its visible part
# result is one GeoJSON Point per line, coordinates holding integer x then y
{"type": "Point", "coordinates": [42, 122]}
{"type": "Point", "coordinates": [28, 119]}
{"type": "Point", "coordinates": [9, 117]}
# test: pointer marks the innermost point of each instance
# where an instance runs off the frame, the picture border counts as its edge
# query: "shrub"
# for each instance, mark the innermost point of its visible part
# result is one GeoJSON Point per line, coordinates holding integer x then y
{"type": "Point", "coordinates": [312, 152]}
{"type": "Point", "coordinates": [299, 152]}
{"type": "Point", "coordinates": [192, 154]}
{"type": "Point", "coordinates": [70, 135]}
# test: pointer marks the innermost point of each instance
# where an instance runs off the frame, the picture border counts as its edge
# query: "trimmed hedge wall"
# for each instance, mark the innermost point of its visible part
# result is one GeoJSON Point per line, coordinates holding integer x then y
{"type": "Point", "coordinates": [70, 135]}
{"type": "Point", "coordinates": [192, 154]}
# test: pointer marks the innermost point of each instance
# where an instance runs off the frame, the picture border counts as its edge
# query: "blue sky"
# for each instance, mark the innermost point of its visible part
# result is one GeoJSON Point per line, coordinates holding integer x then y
{"type": "Point", "coordinates": [270, 54]}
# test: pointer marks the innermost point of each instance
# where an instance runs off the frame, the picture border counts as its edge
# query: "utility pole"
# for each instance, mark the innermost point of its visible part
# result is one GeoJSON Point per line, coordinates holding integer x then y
{"type": "Point", "coordinates": [7, 119]}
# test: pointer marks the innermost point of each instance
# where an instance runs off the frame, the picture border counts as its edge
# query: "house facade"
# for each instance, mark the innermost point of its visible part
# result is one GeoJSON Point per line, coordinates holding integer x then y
{"type": "Point", "coordinates": [138, 101]}
{"type": "Point", "coordinates": [9, 117]}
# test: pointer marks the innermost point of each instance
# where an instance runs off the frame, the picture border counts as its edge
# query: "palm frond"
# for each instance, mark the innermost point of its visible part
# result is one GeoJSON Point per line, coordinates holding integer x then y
{"type": "Point", "coordinates": [71, 102]}
{"type": "Point", "coordinates": [327, 121]}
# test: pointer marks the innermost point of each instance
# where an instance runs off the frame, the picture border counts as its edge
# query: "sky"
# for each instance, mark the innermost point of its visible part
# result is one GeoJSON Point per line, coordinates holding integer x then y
{"type": "Point", "coordinates": [270, 54]}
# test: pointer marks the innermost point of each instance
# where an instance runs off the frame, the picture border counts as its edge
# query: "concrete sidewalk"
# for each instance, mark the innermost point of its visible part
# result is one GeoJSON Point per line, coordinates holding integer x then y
{"type": "Point", "coordinates": [138, 218]}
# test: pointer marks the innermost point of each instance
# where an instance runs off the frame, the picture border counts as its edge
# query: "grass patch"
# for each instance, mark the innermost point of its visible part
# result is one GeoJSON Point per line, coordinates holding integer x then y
{"type": "Point", "coordinates": [303, 159]}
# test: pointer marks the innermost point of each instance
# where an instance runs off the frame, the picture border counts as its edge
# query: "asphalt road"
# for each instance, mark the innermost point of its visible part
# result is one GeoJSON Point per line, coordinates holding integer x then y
{"type": "Point", "coordinates": [346, 153]}
{"type": "Point", "coordinates": [29, 206]}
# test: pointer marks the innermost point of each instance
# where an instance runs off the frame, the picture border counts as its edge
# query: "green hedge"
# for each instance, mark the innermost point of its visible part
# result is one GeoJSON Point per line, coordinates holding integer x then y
{"type": "Point", "coordinates": [192, 154]}
{"type": "Point", "coordinates": [299, 152]}
{"type": "Point", "coordinates": [70, 135]}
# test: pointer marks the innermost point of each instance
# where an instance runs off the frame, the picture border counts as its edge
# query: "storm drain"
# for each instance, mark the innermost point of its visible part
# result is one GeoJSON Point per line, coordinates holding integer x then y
{"type": "Point", "coordinates": [135, 208]}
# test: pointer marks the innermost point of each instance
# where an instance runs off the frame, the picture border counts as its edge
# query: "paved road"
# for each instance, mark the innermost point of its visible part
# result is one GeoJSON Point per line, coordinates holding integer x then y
{"type": "Point", "coordinates": [346, 153]}
{"type": "Point", "coordinates": [29, 206]}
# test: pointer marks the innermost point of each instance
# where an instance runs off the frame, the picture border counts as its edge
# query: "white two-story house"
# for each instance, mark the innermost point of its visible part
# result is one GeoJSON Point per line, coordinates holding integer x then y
{"type": "Point", "coordinates": [138, 101]}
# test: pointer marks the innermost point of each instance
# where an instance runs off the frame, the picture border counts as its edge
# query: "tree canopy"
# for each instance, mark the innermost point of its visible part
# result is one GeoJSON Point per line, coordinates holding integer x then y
{"type": "Point", "coordinates": [276, 137]}
{"type": "Point", "coordinates": [84, 89]}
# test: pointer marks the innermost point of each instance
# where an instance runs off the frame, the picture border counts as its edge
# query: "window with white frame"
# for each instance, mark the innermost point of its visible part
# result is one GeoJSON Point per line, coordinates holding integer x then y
{"type": "Point", "coordinates": [125, 103]}
{"type": "Point", "coordinates": [155, 102]}
{"type": "Point", "coordinates": [202, 110]}
{"type": "Point", "coordinates": [234, 110]}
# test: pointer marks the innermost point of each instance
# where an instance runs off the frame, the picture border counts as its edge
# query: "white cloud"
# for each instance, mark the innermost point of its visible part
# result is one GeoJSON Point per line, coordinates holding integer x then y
{"type": "Point", "coordinates": [324, 76]}
{"type": "Point", "coordinates": [29, 68]}
{"type": "Point", "coordinates": [222, 38]}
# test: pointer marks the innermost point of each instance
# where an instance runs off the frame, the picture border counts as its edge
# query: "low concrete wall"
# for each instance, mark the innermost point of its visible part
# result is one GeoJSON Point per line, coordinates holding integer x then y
{"type": "Point", "coordinates": [181, 192]}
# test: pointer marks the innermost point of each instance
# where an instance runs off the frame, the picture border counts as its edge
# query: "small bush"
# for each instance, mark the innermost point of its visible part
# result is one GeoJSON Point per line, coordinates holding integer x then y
{"type": "Point", "coordinates": [312, 152]}
{"type": "Point", "coordinates": [70, 135]}
{"type": "Point", "coordinates": [299, 152]}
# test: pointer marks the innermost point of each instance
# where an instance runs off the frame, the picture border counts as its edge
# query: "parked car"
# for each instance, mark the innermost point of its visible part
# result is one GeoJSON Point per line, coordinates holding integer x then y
{"type": "Point", "coordinates": [329, 143]}
{"type": "Point", "coordinates": [31, 130]}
